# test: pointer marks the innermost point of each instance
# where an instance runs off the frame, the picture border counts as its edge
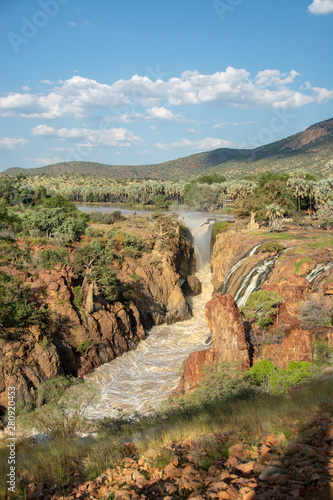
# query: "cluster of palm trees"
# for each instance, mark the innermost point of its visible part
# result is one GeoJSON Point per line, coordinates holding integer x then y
{"type": "Point", "coordinates": [146, 192]}
{"type": "Point", "coordinates": [308, 192]}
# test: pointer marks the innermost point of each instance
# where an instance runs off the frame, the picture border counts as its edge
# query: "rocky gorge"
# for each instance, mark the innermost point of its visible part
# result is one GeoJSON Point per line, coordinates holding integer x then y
{"type": "Point", "coordinates": [83, 329]}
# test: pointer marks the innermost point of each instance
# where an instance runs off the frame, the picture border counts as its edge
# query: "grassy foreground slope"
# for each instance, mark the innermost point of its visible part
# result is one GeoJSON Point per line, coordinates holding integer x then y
{"type": "Point", "coordinates": [311, 150]}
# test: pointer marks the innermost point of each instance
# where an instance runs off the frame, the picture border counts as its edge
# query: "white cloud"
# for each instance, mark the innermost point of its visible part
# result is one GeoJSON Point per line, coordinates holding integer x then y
{"type": "Point", "coordinates": [222, 125]}
{"type": "Point", "coordinates": [72, 24]}
{"type": "Point", "coordinates": [242, 124]}
{"type": "Point", "coordinates": [47, 82]}
{"type": "Point", "coordinates": [192, 130]}
{"type": "Point", "coordinates": [273, 78]}
{"type": "Point", "coordinates": [202, 144]}
{"type": "Point", "coordinates": [44, 161]}
{"type": "Point", "coordinates": [25, 88]}
{"type": "Point", "coordinates": [321, 7]}
{"type": "Point", "coordinates": [161, 113]}
{"type": "Point", "coordinates": [79, 96]}
{"type": "Point", "coordinates": [107, 137]}
{"type": "Point", "coordinates": [11, 143]}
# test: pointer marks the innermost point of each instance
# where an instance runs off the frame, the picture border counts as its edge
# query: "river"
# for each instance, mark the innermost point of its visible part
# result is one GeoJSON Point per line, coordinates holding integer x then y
{"type": "Point", "coordinates": [141, 379]}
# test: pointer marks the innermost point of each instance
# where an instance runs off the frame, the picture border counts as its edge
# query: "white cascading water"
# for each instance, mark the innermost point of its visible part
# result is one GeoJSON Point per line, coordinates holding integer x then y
{"type": "Point", "coordinates": [231, 271]}
{"type": "Point", "coordinates": [253, 280]}
{"type": "Point", "coordinates": [320, 268]}
{"type": "Point", "coordinates": [141, 379]}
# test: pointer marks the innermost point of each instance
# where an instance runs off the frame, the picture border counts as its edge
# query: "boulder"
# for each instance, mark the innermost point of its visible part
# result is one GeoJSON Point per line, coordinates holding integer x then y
{"type": "Point", "coordinates": [192, 286]}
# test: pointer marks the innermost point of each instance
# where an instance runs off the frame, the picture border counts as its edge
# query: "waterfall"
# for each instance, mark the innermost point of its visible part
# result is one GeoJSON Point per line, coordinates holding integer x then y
{"type": "Point", "coordinates": [201, 231]}
{"type": "Point", "coordinates": [140, 380]}
{"type": "Point", "coordinates": [320, 268]}
{"type": "Point", "coordinates": [253, 280]}
{"type": "Point", "coordinates": [224, 285]}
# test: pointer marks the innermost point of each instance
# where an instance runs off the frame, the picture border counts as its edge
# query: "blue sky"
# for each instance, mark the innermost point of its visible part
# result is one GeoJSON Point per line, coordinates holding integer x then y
{"type": "Point", "coordinates": [134, 82]}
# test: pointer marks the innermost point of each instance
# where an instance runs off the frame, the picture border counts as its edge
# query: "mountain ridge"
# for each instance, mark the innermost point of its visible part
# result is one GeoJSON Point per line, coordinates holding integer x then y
{"type": "Point", "coordinates": [311, 149]}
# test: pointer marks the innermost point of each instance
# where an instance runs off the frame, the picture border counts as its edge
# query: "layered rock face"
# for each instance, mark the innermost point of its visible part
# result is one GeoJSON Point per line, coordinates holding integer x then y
{"type": "Point", "coordinates": [290, 336]}
{"type": "Point", "coordinates": [83, 335]}
{"type": "Point", "coordinates": [228, 332]}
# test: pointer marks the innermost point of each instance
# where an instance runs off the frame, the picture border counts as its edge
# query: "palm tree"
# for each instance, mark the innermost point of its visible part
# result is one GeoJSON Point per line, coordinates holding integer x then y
{"type": "Point", "coordinates": [274, 214]}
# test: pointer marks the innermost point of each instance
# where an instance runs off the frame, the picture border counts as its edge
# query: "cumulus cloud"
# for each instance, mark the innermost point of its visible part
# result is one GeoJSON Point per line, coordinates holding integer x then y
{"type": "Point", "coordinates": [321, 7]}
{"type": "Point", "coordinates": [203, 144]}
{"type": "Point", "coordinates": [11, 143]}
{"type": "Point", "coordinates": [78, 96]}
{"type": "Point", "coordinates": [161, 113]}
{"type": "Point", "coordinates": [106, 137]}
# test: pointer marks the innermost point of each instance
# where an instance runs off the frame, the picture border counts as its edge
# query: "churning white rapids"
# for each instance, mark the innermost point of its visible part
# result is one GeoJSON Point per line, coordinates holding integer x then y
{"type": "Point", "coordinates": [140, 379]}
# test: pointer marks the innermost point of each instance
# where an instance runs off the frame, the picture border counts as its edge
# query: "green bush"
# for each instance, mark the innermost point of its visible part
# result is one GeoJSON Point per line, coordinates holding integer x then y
{"type": "Point", "coordinates": [47, 259]}
{"type": "Point", "coordinates": [322, 353]}
{"type": "Point", "coordinates": [131, 252]}
{"type": "Point", "coordinates": [261, 307]}
{"type": "Point", "coordinates": [91, 232]}
{"type": "Point", "coordinates": [278, 380]}
{"type": "Point", "coordinates": [271, 247]}
{"type": "Point", "coordinates": [19, 307]}
{"type": "Point", "coordinates": [84, 347]}
{"type": "Point", "coordinates": [106, 217]}
{"type": "Point", "coordinates": [78, 296]}
{"type": "Point", "coordinates": [260, 372]}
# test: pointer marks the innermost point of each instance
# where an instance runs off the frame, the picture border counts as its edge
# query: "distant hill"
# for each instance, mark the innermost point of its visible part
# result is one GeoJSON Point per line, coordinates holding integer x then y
{"type": "Point", "coordinates": [311, 150]}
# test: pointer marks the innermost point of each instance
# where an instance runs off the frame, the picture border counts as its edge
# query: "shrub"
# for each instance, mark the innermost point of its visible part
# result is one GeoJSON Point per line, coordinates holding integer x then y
{"type": "Point", "coordinates": [316, 312]}
{"type": "Point", "coordinates": [61, 408]}
{"type": "Point", "coordinates": [271, 247]}
{"type": "Point", "coordinates": [78, 296]}
{"type": "Point", "coordinates": [261, 372]}
{"type": "Point", "coordinates": [19, 306]}
{"type": "Point", "coordinates": [107, 217]}
{"type": "Point", "coordinates": [322, 353]}
{"type": "Point", "coordinates": [261, 307]}
{"type": "Point", "coordinates": [91, 232]}
{"type": "Point", "coordinates": [131, 252]}
{"type": "Point", "coordinates": [84, 347]}
{"type": "Point", "coordinates": [48, 258]}
{"type": "Point", "coordinates": [278, 380]}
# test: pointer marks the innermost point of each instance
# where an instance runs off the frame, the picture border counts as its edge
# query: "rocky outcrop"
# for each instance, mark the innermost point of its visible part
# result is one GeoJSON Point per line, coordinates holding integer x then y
{"type": "Point", "coordinates": [24, 365]}
{"type": "Point", "coordinates": [194, 370]}
{"type": "Point", "coordinates": [228, 332]}
{"type": "Point", "coordinates": [229, 342]}
{"type": "Point", "coordinates": [158, 295]}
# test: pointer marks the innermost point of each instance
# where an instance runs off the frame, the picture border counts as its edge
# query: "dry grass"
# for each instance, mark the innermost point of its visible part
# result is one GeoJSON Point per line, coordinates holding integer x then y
{"type": "Point", "coordinates": [245, 418]}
